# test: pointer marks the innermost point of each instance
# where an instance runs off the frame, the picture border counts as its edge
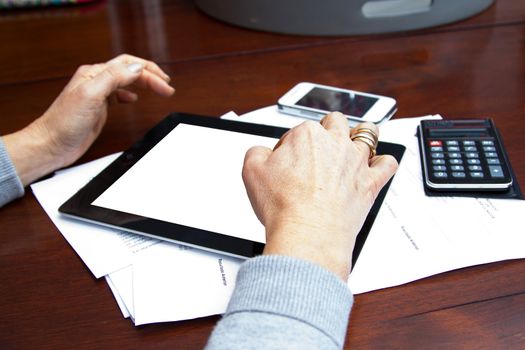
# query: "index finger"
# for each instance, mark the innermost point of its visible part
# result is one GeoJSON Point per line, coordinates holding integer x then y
{"type": "Point", "coordinates": [119, 75]}
{"type": "Point", "coordinates": [148, 65]}
{"type": "Point", "coordinates": [154, 83]}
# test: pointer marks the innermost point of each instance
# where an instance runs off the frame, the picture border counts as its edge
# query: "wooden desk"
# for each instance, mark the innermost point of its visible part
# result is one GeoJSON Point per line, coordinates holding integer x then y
{"type": "Point", "coordinates": [474, 68]}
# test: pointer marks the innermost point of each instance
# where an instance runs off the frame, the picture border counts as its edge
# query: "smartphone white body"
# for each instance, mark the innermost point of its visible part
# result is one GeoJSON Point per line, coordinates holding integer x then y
{"type": "Point", "coordinates": [314, 101]}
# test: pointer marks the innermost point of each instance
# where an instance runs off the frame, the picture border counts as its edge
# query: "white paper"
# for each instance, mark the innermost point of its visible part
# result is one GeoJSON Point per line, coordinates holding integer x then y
{"type": "Point", "coordinates": [177, 283]}
{"type": "Point", "coordinates": [271, 116]}
{"type": "Point", "coordinates": [118, 298]}
{"type": "Point", "coordinates": [267, 116]}
{"type": "Point", "coordinates": [103, 250]}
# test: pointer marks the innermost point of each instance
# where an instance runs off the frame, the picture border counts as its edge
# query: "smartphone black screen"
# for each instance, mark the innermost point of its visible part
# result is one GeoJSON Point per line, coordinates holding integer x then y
{"type": "Point", "coordinates": [332, 100]}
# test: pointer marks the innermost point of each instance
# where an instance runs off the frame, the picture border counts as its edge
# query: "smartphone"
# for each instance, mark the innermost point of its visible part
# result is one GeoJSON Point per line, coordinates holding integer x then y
{"type": "Point", "coordinates": [314, 101]}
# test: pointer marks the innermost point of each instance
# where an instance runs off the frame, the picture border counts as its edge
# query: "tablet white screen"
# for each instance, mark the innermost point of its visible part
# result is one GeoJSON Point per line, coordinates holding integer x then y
{"type": "Point", "coordinates": [192, 177]}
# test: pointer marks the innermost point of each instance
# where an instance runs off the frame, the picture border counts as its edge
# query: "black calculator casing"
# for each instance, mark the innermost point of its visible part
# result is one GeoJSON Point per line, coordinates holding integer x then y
{"type": "Point", "coordinates": [463, 155]}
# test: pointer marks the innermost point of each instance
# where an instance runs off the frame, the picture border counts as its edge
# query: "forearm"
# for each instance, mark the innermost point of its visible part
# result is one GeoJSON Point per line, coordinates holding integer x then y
{"type": "Point", "coordinates": [283, 302]}
{"type": "Point", "coordinates": [31, 153]}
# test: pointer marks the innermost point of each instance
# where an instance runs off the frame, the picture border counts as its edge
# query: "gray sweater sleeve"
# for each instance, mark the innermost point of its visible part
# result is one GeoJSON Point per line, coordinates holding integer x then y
{"type": "Point", "coordinates": [284, 303]}
{"type": "Point", "coordinates": [10, 185]}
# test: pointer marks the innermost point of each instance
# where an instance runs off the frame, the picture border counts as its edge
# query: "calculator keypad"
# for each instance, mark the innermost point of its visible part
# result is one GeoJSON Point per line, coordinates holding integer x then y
{"type": "Point", "coordinates": [463, 155]}
{"type": "Point", "coordinates": [461, 159]}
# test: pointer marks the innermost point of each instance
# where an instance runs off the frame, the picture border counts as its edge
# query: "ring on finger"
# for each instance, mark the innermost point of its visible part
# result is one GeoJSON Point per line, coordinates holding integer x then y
{"type": "Point", "coordinates": [368, 142]}
{"type": "Point", "coordinates": [365, 131]}
{"type": "Point", "coordinates": [367, 136]}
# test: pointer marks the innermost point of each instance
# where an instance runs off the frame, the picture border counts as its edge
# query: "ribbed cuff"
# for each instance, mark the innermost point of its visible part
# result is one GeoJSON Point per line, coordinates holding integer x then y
{"type": "Point", "coordinates": [294, 288]}
{"type": "Point", "coordinates": [10, 185]}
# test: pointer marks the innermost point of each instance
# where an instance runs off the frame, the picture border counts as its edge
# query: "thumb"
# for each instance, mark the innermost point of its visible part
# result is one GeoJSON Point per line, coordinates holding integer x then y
{"type": "Point", "coordinates": [253, 160]}
{"type": "Point", "coordinates": [252, 171]}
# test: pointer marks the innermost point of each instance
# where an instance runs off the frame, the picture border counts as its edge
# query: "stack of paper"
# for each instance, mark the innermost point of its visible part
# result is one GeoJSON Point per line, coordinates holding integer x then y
{"type": "Point", "coordinates": [414, 236]}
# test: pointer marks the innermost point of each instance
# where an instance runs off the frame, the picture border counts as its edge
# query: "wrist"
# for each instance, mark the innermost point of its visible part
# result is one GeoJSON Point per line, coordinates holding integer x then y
{"type": "Point", "coordinates": [325, 246]}
{"type": "Point", "coordinates": [32, 153]}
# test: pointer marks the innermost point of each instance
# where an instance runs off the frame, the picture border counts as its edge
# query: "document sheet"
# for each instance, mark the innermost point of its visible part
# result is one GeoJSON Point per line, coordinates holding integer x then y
{"type": "Point", "coordinates": [413, 237]}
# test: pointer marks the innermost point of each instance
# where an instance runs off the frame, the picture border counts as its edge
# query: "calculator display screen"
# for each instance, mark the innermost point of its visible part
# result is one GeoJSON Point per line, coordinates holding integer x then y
{"type": "Point", "coordinates": [458, 132]}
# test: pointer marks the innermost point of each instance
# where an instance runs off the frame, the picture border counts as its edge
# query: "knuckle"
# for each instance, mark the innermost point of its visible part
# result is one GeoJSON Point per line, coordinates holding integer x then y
{"type": "Point", "coordinates": [84, 92]}
{"type": "Point", "coordinates": [336, 115]}
{"type": "Point", "coordinates": [123, 56]}
{"type": "Point", "coordinates": [309, 127]}
{"type": "Point", "coordinates": [82, 69]}
{"type": "Point", "coordinates": [111, 72]}
{"type": "Point", "coordinates": [249, 159]}
{"type": "Point", "coordinates": [248, 169]}
{"type": "Point", "coordinates": [391, 164]}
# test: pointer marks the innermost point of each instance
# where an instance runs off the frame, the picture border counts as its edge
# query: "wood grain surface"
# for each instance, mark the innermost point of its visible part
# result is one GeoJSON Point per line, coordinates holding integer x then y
{"type": "Point", "coordinates": [473, 68]}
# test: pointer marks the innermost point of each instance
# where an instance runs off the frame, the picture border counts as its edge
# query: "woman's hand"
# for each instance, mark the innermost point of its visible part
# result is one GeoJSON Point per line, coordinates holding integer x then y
{"type": "Point", "coordinates": [314, 190]}
{"type": "Point", "coordinates": [75, 119]}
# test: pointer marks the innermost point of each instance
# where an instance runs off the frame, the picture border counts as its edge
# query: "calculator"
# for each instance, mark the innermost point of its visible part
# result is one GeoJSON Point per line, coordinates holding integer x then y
{"type": "Point", "coordinates": [463, 155]}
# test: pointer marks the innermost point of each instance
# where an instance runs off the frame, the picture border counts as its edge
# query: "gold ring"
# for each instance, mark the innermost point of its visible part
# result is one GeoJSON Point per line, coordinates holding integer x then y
{"type": "Point", "coordinates": [368, 142]}
{"type": "Point", "coordinates": [366, 131]}
{"type": "Point", "coordinates": [367, 136]}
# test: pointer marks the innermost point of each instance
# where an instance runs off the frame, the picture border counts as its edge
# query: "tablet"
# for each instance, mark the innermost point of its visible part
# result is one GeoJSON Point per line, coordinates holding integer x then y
{"type": "Point", "coordinates": [182, 183]}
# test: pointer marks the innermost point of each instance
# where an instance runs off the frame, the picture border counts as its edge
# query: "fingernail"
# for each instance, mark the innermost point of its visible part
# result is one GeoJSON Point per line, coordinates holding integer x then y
{"type": "Point", "coordinates": [135, 67]}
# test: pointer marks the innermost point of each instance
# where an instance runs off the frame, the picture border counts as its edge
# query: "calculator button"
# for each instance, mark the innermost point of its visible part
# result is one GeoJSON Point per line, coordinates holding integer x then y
{"type": "Point", "coordinates": [452, 143]}
{"type": "Point", "coordinates": [474, 168]}
{"type": "Point", "coordinates": [493, 161]}
{"type": "Point", "coordinates": [473, 161]}
{"type": "Point", "coordinates": [455, 161]}
{"type": "Point", "coordinates": [495, 171]}
{"type": "Point", "coordinates": [435, 143]}
{"type": "Point", "coordinates": [476, 174]}
{"type": "Point", "coordinates": [472, 155]}
{"type": "Point", "coordinates": [489, 149]}
{"type": "Point", "coordinates": [471, 149]}
{"type": "Point", "coordinates": [437, 155]}
{"type": "Point", "coordinates": [440, 174]}
{"type": "Point", "coordinates": [491, 154]}
{"type": "Point", "coordinates": [458, 174]}
{"type": "Point", "coordinates": [469, 143]}
{"type": "Point", "coordinates": [453, 148]}
{"type": "Point", "coordinates": [487, 143]}
{"type": "Point", "coordinates": [436, 149]}
{"type": "Point", "coordinates": [439, 168]}
{"type": "Point", "coordinates": [457, 168]}
{"type": "Point", "coordinates": [454, 155]}
{"type": "Point", "coordinates": [438, 161]}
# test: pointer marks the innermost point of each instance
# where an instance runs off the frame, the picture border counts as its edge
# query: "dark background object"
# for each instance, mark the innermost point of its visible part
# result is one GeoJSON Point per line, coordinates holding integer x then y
{"type": "Point", "coordinates": [341, 17]}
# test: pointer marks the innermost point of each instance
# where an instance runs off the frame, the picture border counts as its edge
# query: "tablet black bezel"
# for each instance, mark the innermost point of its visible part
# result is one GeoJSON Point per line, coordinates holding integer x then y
{"type": "Point", "coordinates": [79, 205]}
